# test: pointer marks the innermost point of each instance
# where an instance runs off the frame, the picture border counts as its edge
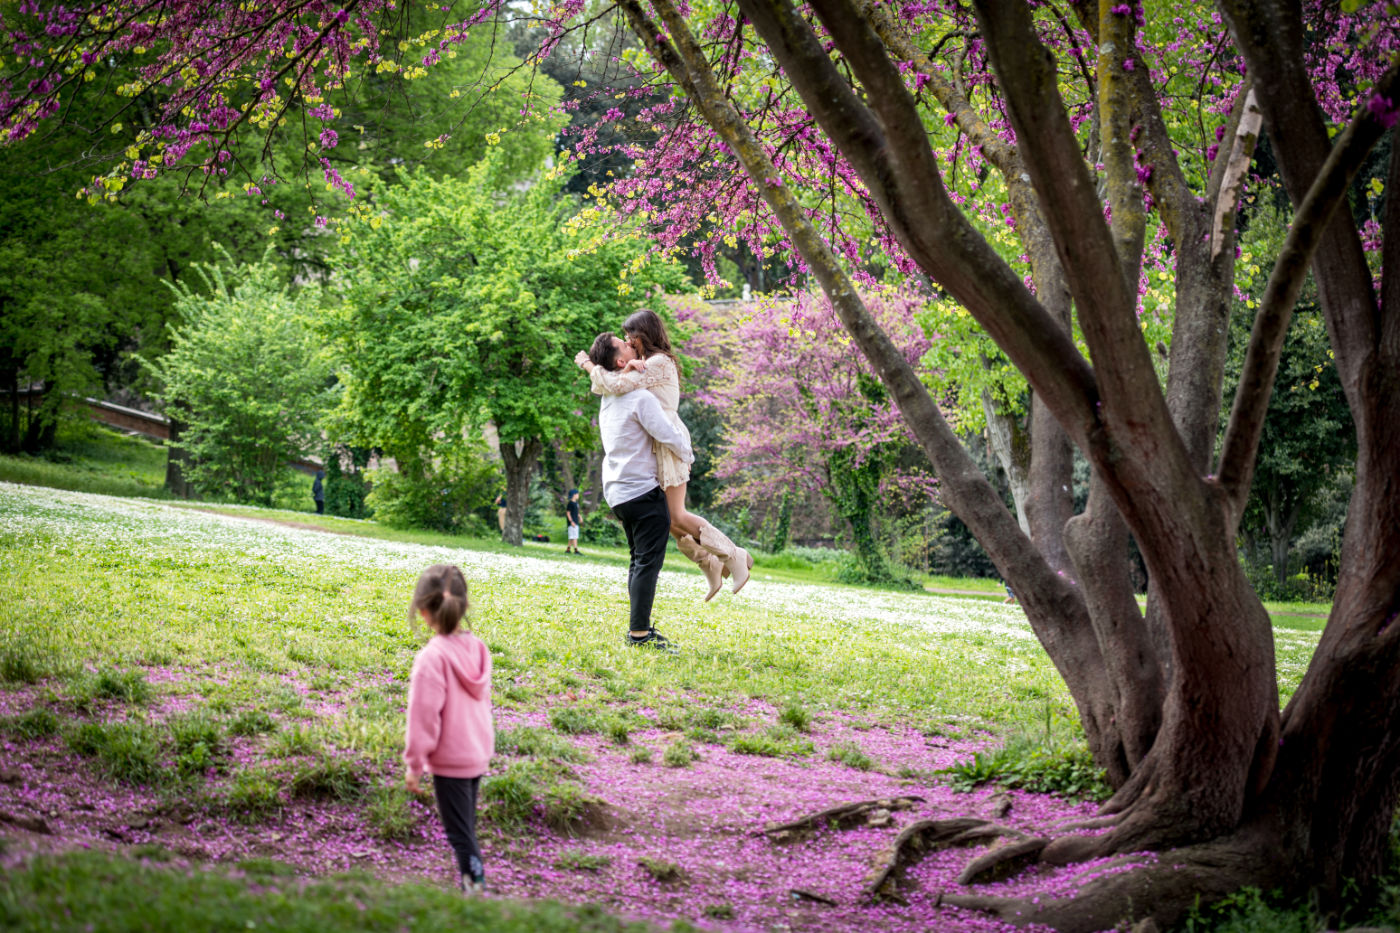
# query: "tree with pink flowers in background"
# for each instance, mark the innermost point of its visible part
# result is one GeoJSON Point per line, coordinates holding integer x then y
{"type": "Point", "coordinates": [803, 413]}
{"type": "Point", "coordinates": [1071, 177]}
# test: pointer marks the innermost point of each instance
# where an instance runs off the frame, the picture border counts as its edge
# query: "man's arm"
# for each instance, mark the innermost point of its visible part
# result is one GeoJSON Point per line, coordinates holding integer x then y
{"type": "Point", "coordinates": [654, 421]}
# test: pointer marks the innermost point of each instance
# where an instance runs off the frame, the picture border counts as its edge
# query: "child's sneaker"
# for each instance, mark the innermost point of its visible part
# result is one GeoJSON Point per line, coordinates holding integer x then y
{"type": "Point", "coordinates": [472, 888]}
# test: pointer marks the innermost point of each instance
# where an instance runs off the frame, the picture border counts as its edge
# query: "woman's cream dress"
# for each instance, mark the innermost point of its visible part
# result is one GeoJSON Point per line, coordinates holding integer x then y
{"type": "Point", "coordinates": [663, 381]}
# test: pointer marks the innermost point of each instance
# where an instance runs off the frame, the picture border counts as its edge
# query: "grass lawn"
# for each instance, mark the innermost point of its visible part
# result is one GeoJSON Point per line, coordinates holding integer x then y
{"type": "Point", "coordinates": [191, 701]}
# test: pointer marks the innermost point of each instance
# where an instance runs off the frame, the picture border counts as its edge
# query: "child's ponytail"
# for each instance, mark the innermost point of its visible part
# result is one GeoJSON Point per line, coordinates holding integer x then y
{"type": "Point", "coordinates": [440, 596]}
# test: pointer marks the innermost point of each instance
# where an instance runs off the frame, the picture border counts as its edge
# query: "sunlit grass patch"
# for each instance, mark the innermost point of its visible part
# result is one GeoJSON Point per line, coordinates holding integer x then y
{"type": "Point", "coordinates": [128, 894]}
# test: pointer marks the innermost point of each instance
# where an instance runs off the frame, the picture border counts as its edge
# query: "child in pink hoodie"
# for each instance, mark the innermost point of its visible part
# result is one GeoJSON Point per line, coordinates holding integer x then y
{"type": "Point", "coordinates": [449, 732]}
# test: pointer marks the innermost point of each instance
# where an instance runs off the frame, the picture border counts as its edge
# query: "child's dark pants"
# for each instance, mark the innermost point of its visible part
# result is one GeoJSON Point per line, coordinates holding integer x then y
{"type": "Point", "coordinates": [456, 802]}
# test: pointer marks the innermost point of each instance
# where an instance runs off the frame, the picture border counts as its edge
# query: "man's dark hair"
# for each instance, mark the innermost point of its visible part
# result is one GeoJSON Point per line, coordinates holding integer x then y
{"type": "Point", "coordinates": [604, 352]}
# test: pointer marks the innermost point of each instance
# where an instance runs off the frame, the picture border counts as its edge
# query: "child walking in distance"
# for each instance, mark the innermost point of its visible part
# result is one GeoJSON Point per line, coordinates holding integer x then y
{"type": "Point", "coordinates": [571, 512]}
{"type": "Point", "coordinates": [449, 732]}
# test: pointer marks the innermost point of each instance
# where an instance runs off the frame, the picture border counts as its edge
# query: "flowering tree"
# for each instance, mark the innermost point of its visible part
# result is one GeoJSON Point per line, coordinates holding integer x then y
{"type": "Point", "coordinates": [1114, 140]}
{"type": "Point", "coordinates": [802, 411]}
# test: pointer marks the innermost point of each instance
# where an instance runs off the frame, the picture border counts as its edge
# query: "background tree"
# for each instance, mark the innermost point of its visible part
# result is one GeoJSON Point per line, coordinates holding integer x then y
{"type": "Point", "coordinates": [246, 377]}
{"type": "Point", "coordinates": [464, 306]}
{"type": "Point", "coordinates": [803, 413]}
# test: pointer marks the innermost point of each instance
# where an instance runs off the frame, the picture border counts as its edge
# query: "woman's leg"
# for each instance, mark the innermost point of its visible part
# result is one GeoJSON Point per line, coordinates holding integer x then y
{"type": "Point", "coordinates": [682, 522]}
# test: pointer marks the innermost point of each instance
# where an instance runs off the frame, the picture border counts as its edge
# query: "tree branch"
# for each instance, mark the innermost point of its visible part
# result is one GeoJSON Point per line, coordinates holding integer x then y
{"type": "Point", "coordinates": [1227, 183]}
{"type": "Point", "coordinates": [904, 180]}
{"type": "Point", "coordinates": [1087, 251]}
{"type": "Point", "coordinates": [1269, 33]}
{"type": "Point", "coordinates": [1251, 403]}
{"type": "Point", "coordinates": [1129, 216]}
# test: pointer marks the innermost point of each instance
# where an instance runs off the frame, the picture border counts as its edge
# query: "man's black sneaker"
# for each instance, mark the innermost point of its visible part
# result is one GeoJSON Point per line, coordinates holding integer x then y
{"type": "Point", "coordinates": [653, 639]}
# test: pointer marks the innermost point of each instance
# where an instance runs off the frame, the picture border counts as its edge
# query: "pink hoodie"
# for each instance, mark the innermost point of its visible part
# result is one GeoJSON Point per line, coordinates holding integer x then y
{"type": "Point", "coordinates": [449, 708]}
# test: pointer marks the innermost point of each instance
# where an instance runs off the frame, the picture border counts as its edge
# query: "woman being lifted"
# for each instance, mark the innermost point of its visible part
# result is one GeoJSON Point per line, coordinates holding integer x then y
{"type": "Point", "coordinates": [656, 370]}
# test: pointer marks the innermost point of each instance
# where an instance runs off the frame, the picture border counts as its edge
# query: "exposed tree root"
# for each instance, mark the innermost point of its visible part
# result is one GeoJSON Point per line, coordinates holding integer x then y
{"type": "Point", "coordinates": [925, 836]}
{"type": "Point", "coordinates": [1003, 861]}
{"type": "Point", "coordinates": [848, 814]}
{"type": "Point", "coordinates": [1162, 891]}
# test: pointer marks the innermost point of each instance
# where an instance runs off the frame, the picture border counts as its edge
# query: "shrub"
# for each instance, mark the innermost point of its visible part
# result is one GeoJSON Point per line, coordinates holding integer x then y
{"type": "Point", "coordinates": [37, 723]}
{"type": "Point", "coordinates": [660, 869]}
{"type": "Point", "coordinates": [252, 722]}
{"type": "Point", "coordinates": [578, 860]}
{"type": "Point", "coordinates": [444, 495]}
{"type": "Point", "coordinates": [124, 751]}
{"type": "Point", "coordinates": [679, 754]}
{"type": "Point", "coordinates": [328, 777]}
{"type": "Point", "coordinates": [601, 531]}
{"type": "Point", "coordinates": [796, 715]}
{"type": "Point", "coordinates": [391, 813]}
{"type": "Point", "coordinates": [640, 755]}
{"type": "Point", "coordinates": [851, 755]}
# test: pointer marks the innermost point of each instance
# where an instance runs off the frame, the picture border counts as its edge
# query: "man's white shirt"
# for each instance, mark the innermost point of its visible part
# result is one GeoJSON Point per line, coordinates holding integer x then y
{"type": "Point", "coordinates": [628, 423]}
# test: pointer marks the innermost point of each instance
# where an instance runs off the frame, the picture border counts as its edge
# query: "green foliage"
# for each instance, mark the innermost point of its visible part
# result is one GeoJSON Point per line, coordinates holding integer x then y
{"type": "Point", "coordinates": [23, 661]}
{"type": "Point", "coordinates": [251, 796]}
{"type": "Point", "coordinates": [149, 895]}
{"type": "Point", "coordinates": [851, 755]}
{"type": "Point", "coordinates": [532, 790]}
{"type": "Point", "coordinates": [1307, 450]}
{"type": "Point", "coordinates": [446, 493]}
{"type": "Point", "coordinates": [392, 813]}
{"type": "Point", "coordinates": [660, 869]}
{"type": "Point", "coordinates": [251, 722]}
{"type": "Point", "coordinates": [111, 684]}
{"type": "Point", "coordinates": [796, 715]}
{"type": "Point", "coordinates": [538, 743]}
{"type": "Point", "coordinates": [199, 742]}
{"type": "Point", "coordinates": [465, 305]}
{"type": "Point", "coordinates": [245, 374]}
{"type": "Point", "coordinates": [1042, 764]}
{"type": "Point", "coordinates": [38, 723]}
{"type": "Point", "coordinates": [125, 751]}
{"type": "Point", "coordinates": [640, 755]}
{"type": "Point", "coordinates": [328, 776]}
{"type": "Point", "coordinates": [679, 754]}
{"type": "Point", "coordinates": [779, 741]}
{"type": "Point", "coordinates": [578, 860]}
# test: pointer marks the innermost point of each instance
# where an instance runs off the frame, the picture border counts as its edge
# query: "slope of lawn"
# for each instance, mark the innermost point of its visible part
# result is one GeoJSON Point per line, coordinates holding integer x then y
{"type": "Point", "coordinates": [197, 702]}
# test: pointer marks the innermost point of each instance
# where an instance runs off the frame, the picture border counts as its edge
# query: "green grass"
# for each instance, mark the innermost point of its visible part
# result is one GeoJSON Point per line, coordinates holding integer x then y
{"type": "Point", "coordinates": [90, 458]}
{"type": "Point", "coordinates": [66, 894]}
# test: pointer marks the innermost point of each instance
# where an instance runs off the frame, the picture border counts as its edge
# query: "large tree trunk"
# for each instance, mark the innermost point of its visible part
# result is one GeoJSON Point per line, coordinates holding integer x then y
{"type": "Point", "coordinates": [1181, 707]}
{"type": "Point", "coordinates": [520, 458]}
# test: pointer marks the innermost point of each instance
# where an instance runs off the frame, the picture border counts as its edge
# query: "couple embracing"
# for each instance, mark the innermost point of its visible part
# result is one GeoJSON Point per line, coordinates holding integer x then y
{"type": "Point", "coordinates": [646, 466]}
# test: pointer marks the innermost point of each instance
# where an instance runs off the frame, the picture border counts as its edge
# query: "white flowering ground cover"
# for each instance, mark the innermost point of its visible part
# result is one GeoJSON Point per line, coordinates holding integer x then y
{"type": "Point", "coordinates": [223, 691]}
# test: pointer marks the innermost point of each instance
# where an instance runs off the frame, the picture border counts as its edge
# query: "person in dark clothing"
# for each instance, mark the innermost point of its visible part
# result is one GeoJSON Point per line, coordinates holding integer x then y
{"type": "Point", "coordinates": [318, 492]}
{"type": "Point", "coordinates": [571, 512]}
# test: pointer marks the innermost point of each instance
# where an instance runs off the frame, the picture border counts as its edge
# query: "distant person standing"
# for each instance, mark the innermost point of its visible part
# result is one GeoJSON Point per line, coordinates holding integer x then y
{"type": "Point", "coordinates": [318, 492]}
{"type": "Point", "coordinates": [571, 511]}
{"type": "Point", "coordinates": [501, 512]}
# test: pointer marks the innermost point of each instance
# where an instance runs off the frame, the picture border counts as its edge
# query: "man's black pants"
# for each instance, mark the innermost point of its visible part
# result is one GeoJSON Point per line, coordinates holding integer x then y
{"type": "Point", "coordinates": [647, 522]}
